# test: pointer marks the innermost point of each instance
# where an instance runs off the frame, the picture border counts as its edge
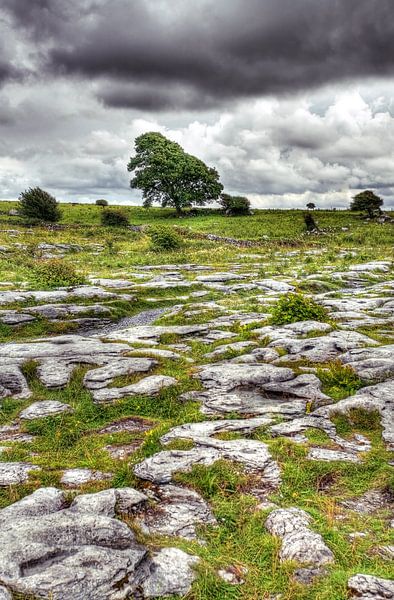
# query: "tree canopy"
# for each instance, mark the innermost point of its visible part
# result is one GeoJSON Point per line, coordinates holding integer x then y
{"type": "Point", "coordinates": [167, 174]}
{"type": "Point", "coordinates": [367, 201]}
{"type": "Point", "coordinates": [38, 204]}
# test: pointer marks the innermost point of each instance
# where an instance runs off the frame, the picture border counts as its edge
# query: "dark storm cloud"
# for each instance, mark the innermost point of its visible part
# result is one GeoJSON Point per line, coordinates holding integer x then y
{"type": "Point", "coordinates": [220, 50]}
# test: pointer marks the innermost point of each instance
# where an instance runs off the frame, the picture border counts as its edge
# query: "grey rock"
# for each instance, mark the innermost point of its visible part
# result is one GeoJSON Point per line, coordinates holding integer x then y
{"type": "Point", "coordinates": [103, 377]}
{"type": "Point", "coordinates": [12, 473]}
{"type": "Point", "coordinates": [378, 397]}
{"type": "Point", "coordinates": [300, 328]}
{"type": "Point", "coordinates": [77, 477]}
{"type": "Point", "coordinates": [118, 284]}
{"type": "Point", "coordinates": [299, 543]}
{"type": "Point", "coordinates": [57, 357]}
{"type": "Point", "coordinates": [368, 587]}
{"type": "Point", "coordinates": [233, 575]}
{"type": "Point", "coordinates": [235, 347]}
{"type": "Point", "coordinates": [275, 285]}
{"type": "Point", "coordinates": [4, 594]}
{"type": "Point", "coordinates": [13, 382]}
{"type": "Point", "coordinates": [12, 317]}
{"type": "Point", "coordinates": [147, 386]}
{"type": "Point", "coordinates": [219, 277]}
{"type": "Point", "coordinates": [45, 408]}
{"type": "Point", "coordinates": [371, 502]}
{"type": "Point", "coordinates": [150, 334]}
{"type": "Point", "coordinates": [256, 389]}
{"type": "Point", "coordinates": [128, 424]}
{"type": "Point", "coordinates": [178, 512]}
{"type": "Point", "coordinates": [12, 433]}
{"type": "Point", "coordinates": [257, 355]}
{"type": "Point", "coordinates": [328, 455]}
{"type": "Point", "coordinates": [371, 364]}
{"type": "Point", "coordinates": [171, 572]}
{"type": "Point", "coordinates": [63, 311]}
{"type": "Point", "coordinates": [109, 502]}
{"type": "Point", "coordinates": [386, 552]}
{"type": "Point", "coordinates": [194, 431]}
{"type": "Point", "coordinates": [252, 454]}
{"type": "Point", "coordinates": [307, 576]}
{"type": "Point", "coordinates": [323, 348]}
{"type": "Point", "coordinates": [41, 502]}
{"type": "Point", "coordinates": [65, 554]}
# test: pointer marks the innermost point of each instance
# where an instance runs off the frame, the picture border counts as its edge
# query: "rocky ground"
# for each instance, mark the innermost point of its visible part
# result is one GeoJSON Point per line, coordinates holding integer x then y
{"type": "Point", "coordinates": [134, 452]}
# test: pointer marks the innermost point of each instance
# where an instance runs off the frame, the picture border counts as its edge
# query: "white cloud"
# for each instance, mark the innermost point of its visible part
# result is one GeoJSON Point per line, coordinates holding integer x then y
{"type": "Point", "coordinates": [321, 147]}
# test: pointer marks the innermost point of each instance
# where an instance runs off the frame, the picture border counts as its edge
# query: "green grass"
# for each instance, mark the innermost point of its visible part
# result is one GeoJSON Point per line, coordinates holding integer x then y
{"type": "Point", "coordinates": [72, 440]}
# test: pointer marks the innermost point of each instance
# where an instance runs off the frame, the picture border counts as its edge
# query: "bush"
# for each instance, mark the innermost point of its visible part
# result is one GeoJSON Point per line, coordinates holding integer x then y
{"type": "Point", "coordinates": [101, 202]}
{"type": "Point", "coordinates": [291, 308]}
{"type": "Point", "coordinates": [114, 218]}
{"type": "Point", "coordinates": [56, 273]}
{"type": "Point", "coordinates": [37, 204]}
{"type": "Point", "coordinates": [310, 223]}
{"type": "Point", "coordinates": [235, 205]}
{"type": "Point", "coordinates": [164, 239]}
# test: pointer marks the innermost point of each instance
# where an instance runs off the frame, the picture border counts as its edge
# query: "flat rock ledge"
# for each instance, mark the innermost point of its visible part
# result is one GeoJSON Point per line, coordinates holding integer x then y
{"type": "Point", "coordinates": [81, 552]}
{"type": "Point", "coordinates": [368, 587]}
{"type": "Point", "coordinates": [251, 454]}
{"type": "Point", "coordinates": [299, 543]}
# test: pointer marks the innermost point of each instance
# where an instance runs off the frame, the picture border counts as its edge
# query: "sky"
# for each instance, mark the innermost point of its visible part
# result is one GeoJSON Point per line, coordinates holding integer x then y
{"type": "Point", "coordinates": [291, 100]}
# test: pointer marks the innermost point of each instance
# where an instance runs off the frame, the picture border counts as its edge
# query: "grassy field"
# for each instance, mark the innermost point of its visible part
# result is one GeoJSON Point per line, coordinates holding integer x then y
{"type": "Point", "coordinates": [282, 248]}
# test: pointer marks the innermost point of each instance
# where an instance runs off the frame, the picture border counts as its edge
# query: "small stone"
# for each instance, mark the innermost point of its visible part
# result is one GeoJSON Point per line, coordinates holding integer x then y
{"type": "Point", "coordinates": [171, 573]}
{"type": "Point", "coordinates": [14, 473]}
{"type": "Point", "coordinates": [177, 512]}
{"type": "Point", "coordinates": [299, 543]}
{"type": "Point", "coordinates": [109, 502]}
{"type": "Point", "coordinates": [233, 575]}
{"type": "Point", "coordinates": [368, 587]}
{"type": "Point", "coordinates": [328, 455]}
{"type": "Point", "coordinates": [4, 594]}
{"type": "Point", "coordinates": [77, 477]}
{"type": "Point", "coordinates": [46, 408]}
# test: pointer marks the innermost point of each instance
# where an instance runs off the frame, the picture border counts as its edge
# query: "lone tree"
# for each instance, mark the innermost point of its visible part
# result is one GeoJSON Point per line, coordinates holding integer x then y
{"type": "Point", "coordinates": [311, 205]}
{"type": "Point", "coordinates": [167, 174]}
{"type": "Point", "coordinates": [39, 205]}
{"type": "Point", "coordinates": [235, 205]}
{"type": "Point", "coordinates": [367, 201]}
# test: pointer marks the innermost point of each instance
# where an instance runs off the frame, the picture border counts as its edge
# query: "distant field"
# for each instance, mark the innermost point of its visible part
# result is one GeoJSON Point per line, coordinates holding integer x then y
{"type": "Point", "coordinates": [284, 225]}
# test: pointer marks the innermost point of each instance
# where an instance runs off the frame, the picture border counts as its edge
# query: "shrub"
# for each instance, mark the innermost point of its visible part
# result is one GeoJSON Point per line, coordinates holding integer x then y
{"type": "Point", "coordinates": [310, 222]}
{"type": "Point", "coordinates": [101, 202]}
{"type": "Point", "coordinates": [56, 273]}
{"type": "Point", "coordinates": [235, 205]}
{"type": "Point", "coordinates": [292, 307]}
{"type": "Point", "coordinates": [114, 218]}
{"type": "Point", "coordinates": [37, 204]}
{"type": "Point", "coordinates": [339, 381]}
{"type": "Point", "coordinates": [164, 239]}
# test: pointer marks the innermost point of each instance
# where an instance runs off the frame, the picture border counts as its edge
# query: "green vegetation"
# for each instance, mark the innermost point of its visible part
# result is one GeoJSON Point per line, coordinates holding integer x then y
{"type": "Point", "coordinates": [281, 247]}
{"type": "Point", "coordinates": [235, 205]}
{"type": "Point", "coordinates": [37, 204]}
{"type": "Point", "coordinates": [167, 174]}
{"type": "Point", "coordinates": [291, 308]}
{"type": "Point", "coordinates": [367, 201]}
{"type": "Point", "coordinates": [101, 202]}
{"type": "Point", "coordinates": [53, 273]}
{"type": "Point", "coordinates": [113, 217]}
{"type": "Point", "coordinates": [164, 238]}
{"type": "Point", "coordinates": [339, 381]}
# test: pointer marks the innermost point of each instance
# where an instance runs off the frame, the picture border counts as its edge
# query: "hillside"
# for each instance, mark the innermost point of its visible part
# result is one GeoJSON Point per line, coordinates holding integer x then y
{"type": "Point", "coordinates": [212, 422]}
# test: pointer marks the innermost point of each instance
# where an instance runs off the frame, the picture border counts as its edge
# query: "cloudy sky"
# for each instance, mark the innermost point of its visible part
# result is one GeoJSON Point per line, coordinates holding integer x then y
{"type": "Point", "coordinates": [291, 100]}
